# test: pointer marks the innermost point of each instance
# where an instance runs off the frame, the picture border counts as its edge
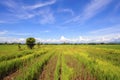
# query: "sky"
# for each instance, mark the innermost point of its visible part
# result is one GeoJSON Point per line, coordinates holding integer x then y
{"type": "Point", "coordinates": [56, 21]}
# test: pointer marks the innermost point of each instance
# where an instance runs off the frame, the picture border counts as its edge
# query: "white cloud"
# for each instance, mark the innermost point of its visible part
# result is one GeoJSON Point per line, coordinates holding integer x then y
{"type": "Point", "coordinates": [107, 30]}
{"type": "Point", "coordinates": [62, 39]}
{"type": "Point", "coordinates": [12, 39]}
{"type": "Point", "coordinates": [3, 32]}
{"type": "Point", "coordinates": [85, 39]}
{"type": "Point", "coordinates": [47, 17]}
{"type": "Point", "coordinates": [39, 5]}
{"type": "Point", "coordinates": [46, 31]}
{"type": "Point", "coordinates": [9, 3]}
{"type": "Point", "coordinates": [20, 34]}
{"type": "Point", "coordinates": [18, 12]}
{"type": "Point", "coordinates": [94, 7]}
{"type": "Point", "coordinates": [47, 40]}
{"type": "Point", "coordinates": [12, 33]}
{"type": "Point", "coordinates": [67, 11]}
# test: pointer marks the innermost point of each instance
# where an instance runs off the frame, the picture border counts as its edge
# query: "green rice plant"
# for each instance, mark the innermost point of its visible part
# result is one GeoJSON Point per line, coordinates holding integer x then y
{"type": "Point", "coordinates": [8, 52]}
{"type": "Point", "coordinates": [11, 65]}
{"type": "Point", "coordinates": [6, 49]}
{"type": "Point", "coordinates": [32, 72]}
{"type": "Point", "coordinates": [101, 69]}
{"type": "Point", "coordinates": [115, 47]}
{"type": "Point", "coordinates": [110, 55]}
{"type": "Point", "coordinates": [15, 55]}
{"type": "Point", "coordinates": [58, 68]}
{"type": "Point", "coordinates": [102, 62]}
{"type": "Point", "coordinates": [65, 70]}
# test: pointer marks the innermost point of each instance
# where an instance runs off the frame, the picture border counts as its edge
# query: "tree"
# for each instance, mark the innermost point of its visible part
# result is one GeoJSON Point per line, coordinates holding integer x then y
{"type": "Point", "coordinates": [30, 42]}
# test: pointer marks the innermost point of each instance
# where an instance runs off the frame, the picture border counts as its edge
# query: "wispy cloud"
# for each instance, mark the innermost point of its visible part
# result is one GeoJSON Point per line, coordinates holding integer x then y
{"type": "Point", "coordinates": [9, 3]}
{"type": "Point", "coordinates": [39, 5]}
{"type": "Point", "coordinates": [47, 17]}
{"type": "Point", "coordinates": [16, 11]}
{"type": "Point", "coordinates": [2, 22]}
{"type": "Point", "coordinates": [66, 10]}
{"type": "Point", "coordinates": [3, 32]}
{"type": "Point", "coordinates": [19, 11]}
{"type": "Point", "coordinates": [106, 35]}
{"type": "Point", "coordinates": [93, 8]}
{"type": "Point", "coordinates": [46, 31]}
{"type": "Point", "coordinates": [21, 34]}
{"type": "Point", "coordinates": [107, 30]}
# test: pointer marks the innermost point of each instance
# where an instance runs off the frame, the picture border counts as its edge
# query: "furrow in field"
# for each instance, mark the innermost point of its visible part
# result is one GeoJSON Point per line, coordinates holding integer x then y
{"type": "Point", "coordinates": [79, 70]}
{"type": "Point", "coordinates": [12, 75]}
{"type": "Point", "coordinates": [49, 69]}
{"type": "Point", "coordinates": [8, 67]}
{"type": "Point", "coordinates": [32, 72]}
{"type": "Point", "coordinates": [26, 64]}
{"type": "Point", "coordinates": [101, 69]}
{"type": "Point", "coordinates": [19, 71]}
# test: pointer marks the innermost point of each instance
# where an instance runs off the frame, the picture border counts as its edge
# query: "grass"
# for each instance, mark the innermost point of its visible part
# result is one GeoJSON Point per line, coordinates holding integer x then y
{"type": "Point", "coordinates": [58, 68]}
{"type": "Point", "coordinates": [101, 69]}
{"type": "Point", "coordinates": [115, 47]}
{"type": "Point", "coordinates": [32, 72]}
{"type": "Point", "coordinates": [65, 70]}
{"type": "Point", "coordinates": [87, 62]}
{"type": "Point", "coordinates": [8, 66]}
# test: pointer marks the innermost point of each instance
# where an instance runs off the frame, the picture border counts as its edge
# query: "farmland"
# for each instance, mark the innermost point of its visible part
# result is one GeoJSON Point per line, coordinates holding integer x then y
{"type": "Point", "coordinates": [60, 62]}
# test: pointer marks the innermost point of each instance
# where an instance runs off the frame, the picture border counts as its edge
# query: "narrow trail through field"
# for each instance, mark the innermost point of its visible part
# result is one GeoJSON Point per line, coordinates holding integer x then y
{"type": "Point", "coordinates": [80, 71]}
{"type": "Point", "coordinates": [49, 69]}
{"type": "Point", "coordinates": [11, 76]}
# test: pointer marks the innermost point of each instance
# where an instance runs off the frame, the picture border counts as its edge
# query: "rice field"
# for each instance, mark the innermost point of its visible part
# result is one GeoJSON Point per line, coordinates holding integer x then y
{"type": "Point", "coordinates": [60, 62]}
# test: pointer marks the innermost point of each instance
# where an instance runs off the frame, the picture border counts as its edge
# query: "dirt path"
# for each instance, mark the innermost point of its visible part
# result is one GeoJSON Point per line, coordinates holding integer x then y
{"type": "Point", "coordinates": [80, 71]}
{"type": "Point", "coordinates": [49, 69]}
{"type": "Point", "coordinates": [11, 76]}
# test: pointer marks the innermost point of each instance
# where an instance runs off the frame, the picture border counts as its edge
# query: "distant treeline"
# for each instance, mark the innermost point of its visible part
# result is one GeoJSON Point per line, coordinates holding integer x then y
{"type": "Point", "coordinates": [62, 43]}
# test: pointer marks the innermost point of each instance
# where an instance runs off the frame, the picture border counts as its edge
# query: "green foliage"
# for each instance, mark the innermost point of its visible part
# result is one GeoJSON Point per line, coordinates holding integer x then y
{"type": "Point", "coordinates": [100, 62]}
{"type": "Point", "coordinates": [32, 72]}
{"type": "Point", "coordinates": [100, 68]}
{"type": "Point", "coordinates": [66, 71]}
{"type": "Point", "coordinates": [58, 68]}
{"type": "Point", "coordinates": [12, 56]}
{"type": "Point", "coordinates": [30, 42]}
{"type": "Point", "coordinates": [8, 66]}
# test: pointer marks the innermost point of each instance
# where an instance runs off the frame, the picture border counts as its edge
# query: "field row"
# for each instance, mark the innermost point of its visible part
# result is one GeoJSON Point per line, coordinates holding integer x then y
{"type": "Point", "coordinates": [62, 63]}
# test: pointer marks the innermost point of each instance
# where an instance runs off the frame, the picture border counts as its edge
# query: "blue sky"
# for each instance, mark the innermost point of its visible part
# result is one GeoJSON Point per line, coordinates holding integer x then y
{"type": "Point", "coordinates": [60, 20]}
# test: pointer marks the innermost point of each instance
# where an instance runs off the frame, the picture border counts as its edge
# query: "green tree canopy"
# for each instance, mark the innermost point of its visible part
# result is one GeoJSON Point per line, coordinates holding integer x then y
{"type": "Point", "coordinates": [30, 42]}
